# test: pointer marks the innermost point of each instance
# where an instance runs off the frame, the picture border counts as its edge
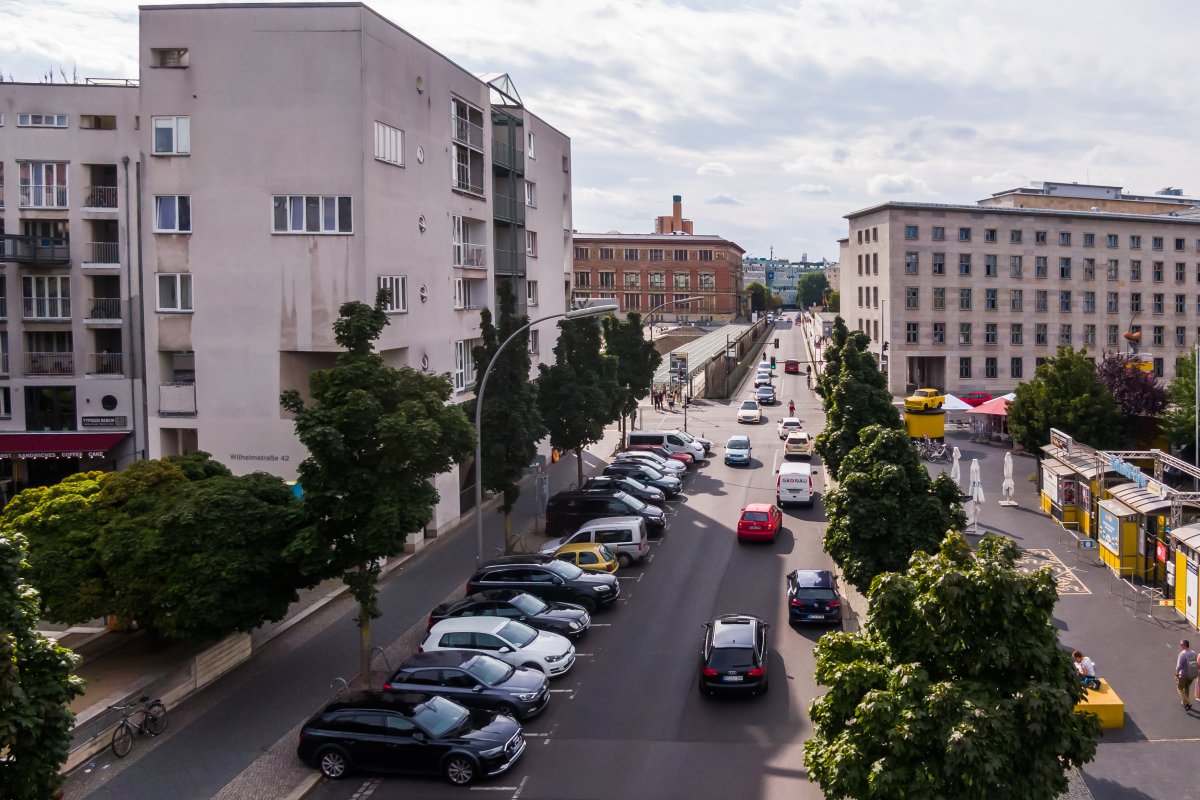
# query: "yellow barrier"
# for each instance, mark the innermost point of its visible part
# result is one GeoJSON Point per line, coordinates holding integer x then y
{"type": "Point", "coordinates": [1105, 704]}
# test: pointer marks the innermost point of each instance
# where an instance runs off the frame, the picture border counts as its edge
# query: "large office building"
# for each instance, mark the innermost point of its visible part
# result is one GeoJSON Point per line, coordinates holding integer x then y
{"type": "Point", "coordinates": [780, 275]}
{"type": "Point", "coordinates": [644, 271]}
{"type": "Point", "coordinates": [274, 189]}
{"type": "Point", "coordinates": [974, 297]}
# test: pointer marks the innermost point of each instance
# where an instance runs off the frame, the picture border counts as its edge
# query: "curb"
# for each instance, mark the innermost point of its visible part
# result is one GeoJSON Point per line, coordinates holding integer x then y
{"type": "Point", "coordinates": [307, 787]}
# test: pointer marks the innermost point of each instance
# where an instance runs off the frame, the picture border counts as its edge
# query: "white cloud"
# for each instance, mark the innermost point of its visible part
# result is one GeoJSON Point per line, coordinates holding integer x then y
{"type": "Point", "coordinates": [724, 200]}
{"type": "Point", "coordinates": [810, 188]}
{"type": "Point", "coordinates": [714, 168]}
{"type": "Point", "coordinates": [1006, 179]}
{"type": "Point", "coordinates": [896, 184]}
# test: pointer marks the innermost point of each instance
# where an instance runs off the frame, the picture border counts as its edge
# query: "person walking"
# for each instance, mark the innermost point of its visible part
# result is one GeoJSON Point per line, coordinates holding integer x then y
{"type": "Point", "coordinates": [671, 402]}
{"type": "Point", "coordinates": [1186, 670]}
{"type": "Point", "coordinates": [791, 408]}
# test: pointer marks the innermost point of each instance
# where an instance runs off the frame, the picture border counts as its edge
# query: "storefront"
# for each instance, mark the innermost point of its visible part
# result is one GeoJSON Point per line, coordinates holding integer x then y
{"type": "Point", "coordinates": [1151, 501]}
{"type": "Point", "coordinates": [41, 459]}
{"type": "Point", "coordinates": [1072, 479]}
{"type": "Point", "coordinates": [1060, 492]}
{"type": "Point", "coordinates": [1118, 533]}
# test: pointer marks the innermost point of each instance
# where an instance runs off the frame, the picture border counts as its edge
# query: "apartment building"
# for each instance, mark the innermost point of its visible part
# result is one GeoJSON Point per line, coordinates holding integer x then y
{"type": "Point", "coordinates": [974, 297]}
{"type": "Point", "coordinates": [643, 271]}
{"type": "Point", "coordinates": [70, 386]}
{"type": "Point", "coordinates": [321, 153]}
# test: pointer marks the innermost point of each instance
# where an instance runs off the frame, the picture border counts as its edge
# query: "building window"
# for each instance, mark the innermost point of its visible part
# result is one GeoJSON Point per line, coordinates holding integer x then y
{"type": "Point", "coordinates": [464, 365]}
{"type": "Point", "coordinates": [1114, 270]}
{"type": "Point", "coordinates": [964, 264]}
{"type": "Point", "coordinates": [1135, 302]}
{"type": "Point", "coordinates": [989, 235]}
{"type": "Point", "coordinates": [1064, 238]}
{"type": "Point", "coordinates": [875, 292]}
{"type": "Point", "coordinates": [1016, 299]}
{"type": "Point", "coordinates": [583, 280]}
{"type": "Point", "coordinates": [1180, 304]}
{"type": "Point", "coordinates": [1089, 335]}
{"type": "Point", "coordinates": [939, 333]}
{"type": "Point", "coordinates": [1156, 271]}
{"type": "Point", "coordinates": [531, 293]}
{"type": "Point", "coordinates": [912, 332]}
{"type": "Point", "coordinates": [938, 233]}
{"type": "Point", "coordinates": [1112, 305]}
{"type": "Point", "coordinates": [1064, 268]}
{"type": "Point", "coordinates": [911, 263]}
{"type": "Point", "coordinates": [1016, 367]}
{"type": "Point", "coordinates": [581, 253]}
{"type": "Point", "coordinates": [1016, 333]}
{"type": "Point", "coordinates": [1156, 243]}
{"type": "Point", "coordinates": [606, 254]}
{"type": "Point", "coordinates": [964, 367]}
{"type": "Point", "coordinates": [991, 333]}
{"type": "Point", "coordinates": [631, 254]}
{"type": "Point", "coordinates": [939, 298]}
{"type": "Point", "coordinates": [530, 141]}
{"type": "Point", "coordinates": [535, 342]}
{"type": "Point", "coordinates": [1180, 245]}
{"type": "Point", "coordinates": [964, 333]}
{"type": "Point", "coordinates": [1158, 367]}
{"type": "Point", "coordinates": [169, 57]}
{"type": "Point", "coordinates": [706, 255]}
{"type": "Point", "coordinates": [1089, 240]}
{"type": "Point", "coordinates": [964, 234]}
{"type": "Point", "coordinates": [1089, 269]}
{"type": "Point", "coordinates": [1089, 302]}
{"type": "Point", "coordinates": [910, 232]}
{"type": "Point", "coordinates": [172, 136]}
{"type": "Point", "coordinates": [1064, 334]}
{"type": "Point", "coordinates": [633, 280]}
{"type": "Point", "coordinates": [989, 367]}
{"type": "Point", "coordinates": [41, 120]}
{"type": "Point", "coordinates": [1180, 335]}
{"type": "Point", "coordinates": [608, 280]}
{"type": "Point", "coordinates": [1180, 272]}
{"type": "Point", "coordinates": [707, 281]}
{"type": "Point", "coordinates": [656, 254]}
{"type": "Point", "coordinates": [1039, 237]}
{"type": "Point", "coordinates": [990, 301]}
{"type": "Point", "coordinates": [1157, 302]}
{"type": "Point", "coordinates": [397, 287]}
{"type": "Point", "coordinates": [1113, 333]}
{"type": "Point", "coordinates": [173, 213]}
{"type": "Point", "coordinates": [1014, 237]}
{"type": "Point", "coordinates": [681, 280]}
{"type": "Point", "coordinates": [97, 122]}
{"type": "Point", "coordinates": [1039, 334]}
{"type": "Point", "coordinates": [1064, 301]}
{"type": "Point", "coordinates": [681, 255]}
{"type": "Point", "coordinates": [1157, 333]}
{"type": "Point", "coordinates": [328, 214]}
{"type": "Point", "coordinates": [531, 249]}
{"type": "Point", "coordinates": [990, 266]}
{"type": "Point", "coordinates": [633, 301]}
{"type": "Point", "coordinates": [1040, 269]}
{"type": "Point", "coordinates": [175, 292]}
{"type": "Point", "coordinates": [658, 280]}
{"type": "Point", "coordinates": [531, 194]}
{"type": "Point", "coordinates": [1135, 241]}
{"type": "Point", "coordinates": [911, 297]}
{"type": "Point", "coordinates": [389, 144]}
{"type": "Point", "coordinates": [1041, 300]}
{"type": "Point", "coordinates": [46, 296]}
{"type": "Point", "coordinates": [964, 299]}
{"type": "Point", "coordinates": [939, 263]}
{"type": "Point", "coordinates": [1014, 266]}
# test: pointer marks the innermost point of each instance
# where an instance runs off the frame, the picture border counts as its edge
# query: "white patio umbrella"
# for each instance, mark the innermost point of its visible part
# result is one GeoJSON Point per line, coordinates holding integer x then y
{"type": "Point", "coordinates": [976, 494]}
{"type": "Point", "coordinates": [955, 467]}
{"type": "Point", "coordinates": [1008, 487]}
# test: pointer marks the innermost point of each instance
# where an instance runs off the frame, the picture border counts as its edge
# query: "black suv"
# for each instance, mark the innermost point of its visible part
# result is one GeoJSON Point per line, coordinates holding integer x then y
{"type": "Point", "coordinates": [734, 658]}
{"type": "Point", "coordinates": [646, 474]}
{"type": "Point", "coordinates": [415, 732]}
{"type": "Point", "coordinates": [566, 511]}
{"type": "Point", "coordinates": [812, 596]}
{"type": "Point", "coordinates": [561, 618]}
{"type": "Point", "coordinates": [611, 484]}
{"type": "Point", "coordinates": [474, 680]}
{"type": "Point", "coordinates": [548, 578]}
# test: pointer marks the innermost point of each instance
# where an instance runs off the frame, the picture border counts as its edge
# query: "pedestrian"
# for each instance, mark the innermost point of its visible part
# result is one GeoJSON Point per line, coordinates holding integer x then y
{"type": "Point", "coordinates": [1186, 670]}
{"type": "Point", "coordinates": [791, 408]}
{"type": "Point", "coordinates": [654, 399]}
{"type": "Point", "coordinates": [671, 402]}
{"type": "Point", "coordinates": [1086, 669]}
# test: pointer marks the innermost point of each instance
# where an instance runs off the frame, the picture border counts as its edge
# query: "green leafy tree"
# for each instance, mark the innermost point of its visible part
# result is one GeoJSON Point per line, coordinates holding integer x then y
{"type": "Point", "coordinates": [511, 420]}
{"type": "Point", "coordinates": [1065, 393]}
{"type": "Point", "coordinates": [579, 392]}
{"type": "Point", "coordinates": [637, 359]}
{"type": "Point", "coordinates": [36, 685]}
{"type": "Point", "coordinates": [759, 295]}
{"type": "Point", "coordinates": [886, 507]}
{"type": "Point", "coordinates": [835, 302]}
{"type": "Point", "coordinates": [955, 688]}
{"type": "Point", "coordinates": [376, 435]}
{"type": "Point", "coordinates": [1179, 419]}
{"type": "Point", "coordinates": [811, 289]}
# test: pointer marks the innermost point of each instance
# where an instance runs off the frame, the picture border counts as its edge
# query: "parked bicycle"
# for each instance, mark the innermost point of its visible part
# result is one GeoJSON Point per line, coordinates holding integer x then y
{"type": "Point", "coordinates": [153, 721]}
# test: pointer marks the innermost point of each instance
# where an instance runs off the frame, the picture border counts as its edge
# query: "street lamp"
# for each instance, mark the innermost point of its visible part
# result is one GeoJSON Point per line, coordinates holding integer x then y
{"type": "Point", "coordinates": [650, 313]}
{"type": "Point", "coordinates": [578, 313]}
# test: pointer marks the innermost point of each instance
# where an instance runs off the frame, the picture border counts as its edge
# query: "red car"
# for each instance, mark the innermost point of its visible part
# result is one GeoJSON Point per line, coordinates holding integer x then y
{"type": "Point", "coordinates": [975, 399]}
{"type": "Point", "coordinates": [759, 521]}
{"type": "Point", "coordinates": [791, 366]}
{"type": "Point", "coordinates": [683, 458]}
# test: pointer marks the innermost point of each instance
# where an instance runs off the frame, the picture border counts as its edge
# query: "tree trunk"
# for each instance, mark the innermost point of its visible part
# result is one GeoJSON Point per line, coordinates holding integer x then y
{"type": "Point", "coordinates": [579, 464]}
{"type": "Point", "coordinates": [364, 646]}
{"type": "Point", "coordinates": [509, 544]}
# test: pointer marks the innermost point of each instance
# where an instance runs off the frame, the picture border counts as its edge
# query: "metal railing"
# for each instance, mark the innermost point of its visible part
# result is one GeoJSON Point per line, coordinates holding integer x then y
{"type": "Point", "coordinates": [177, 399]}
{"type": "Point", "coordinates": [104, 308]}
{"type": "Point", "coordinates": [467, 132]}
{"type": "Point", "coordinates": [104, 363]}
{"type": "Point", "coordinates": [49, 308]}
{"type": "Point", "coordinates": [509, 208]}
{"type": "Point", "coordinates": [510, 262]}
{"type": "Point", "coordinates": [49, 363]}
{"type": "Point", "coordinates": [100, 197]}
{"type": "Point", "coordinates": [102, 253]}
{"type": "Point", "coordinates": [507, 156]}
{"type": "Point", "coordinates": [470, 255]}
{"type": "Point", "coordinates": [36, 195]}
{"type": "Point", "coordinates": [462, 180]}
{"type": "Point", "coordinates": [35, 249]}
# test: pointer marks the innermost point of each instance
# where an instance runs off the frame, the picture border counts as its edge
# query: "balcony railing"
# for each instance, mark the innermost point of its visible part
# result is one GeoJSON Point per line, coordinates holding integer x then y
{"type": "Point", "coordinates": [507, 156]}
{"type": "Point", "coordinates": [100, 197]}
{"type": "Point", "coordinates": [104, 364]}
{"type": "Point", "coordinates": [42, 196]}
{"type": "Point", "coordinates": [57, 309]}
{"type": "Point", "coordinates": [509, 209]}
{"type": "Point", "coordinates": [470, 255]}
{"type": "Point", "coordinates": [102, 253]}
{"type": "Point", "coordinates": [510, 262]}
{"type": "Point", "coordinates": [34, 249]}
{"type": "Point", "coordinates": [177, 399]}
{"type": "Point", "coordinates": [49, 363]}
{"type": "Point", "coordinates": [104, 308]}
{"type": "Point", "coordinates": [467, 132]}
{"type": "Point", "coordinates": [462, 180]}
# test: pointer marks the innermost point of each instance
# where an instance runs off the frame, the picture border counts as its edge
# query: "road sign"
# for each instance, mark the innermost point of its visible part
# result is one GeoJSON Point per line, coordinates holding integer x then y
{"type": "Point", "coordinates": [679, 365]}
{"type": "Point", "coordinates": [1087, 544]}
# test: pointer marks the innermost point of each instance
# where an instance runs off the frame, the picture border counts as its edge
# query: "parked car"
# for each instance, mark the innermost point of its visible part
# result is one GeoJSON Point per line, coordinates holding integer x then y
{"type": "Point", "coordinates": [548, 578]}
{"type": "Point", "coordinates": [749, 411]}
{"type": "Point", "coordinates": [798, 443]}
{"type": "Point", "coordinates": [765, 395]}
{"type": "Point", "coordinates": [924, 400]}
{"type": "Point", "coordinates": [564, 619]}
{"type": "Point", "coordinates": [705, 444]}
{"type": "Point", "coordinates": [566, 511]}
{"type": "Point", "coordinates": [687, 459]}
{"type": "Point", "coordinates": [763, 378]}
{"type": "Point", "coordinates": [474, 680]}
{"type": "Point", "coordinates": [734, 656]}
{"type": "Point", "coordinates": [592, 556]}
{"type": "Point", "coordinates": [975, 399]}
{"type": "Point", "coordinates": [789, 424]}
{"type": "Point", "coordinates": [738, 450]}
{"type": "Point", "coordinates": [412, 732]}
{"type": "Point", "coordinates": [647, 474]}
{"type": "Point", "coordinates": [671, 440]}
{"type": "Point", "coordinates": [791, 366]}
{"type": "Point", "coordinates": [759, 521]}
{"type": "Point", "coordinates": [624, 536]}
{"type": "Point", "coordinates": [510, 641]}
{"type": "Point", "coordinates": [669, 466]}
{"type": "Point", "coordinates": [611, 484]}
{"type": "Point", "coordinates": [812, 596]}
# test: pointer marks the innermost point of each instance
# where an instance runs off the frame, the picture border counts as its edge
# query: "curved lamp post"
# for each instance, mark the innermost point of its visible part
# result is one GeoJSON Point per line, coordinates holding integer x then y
{"type": "Point", "coordinates": [650, 313]}
{"type": "Point", "coordinates": [578, 313]}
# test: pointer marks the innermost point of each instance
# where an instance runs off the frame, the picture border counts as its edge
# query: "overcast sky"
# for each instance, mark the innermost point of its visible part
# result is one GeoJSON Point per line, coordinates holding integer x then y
{"type": "Point", "coordinates": [773, 119]}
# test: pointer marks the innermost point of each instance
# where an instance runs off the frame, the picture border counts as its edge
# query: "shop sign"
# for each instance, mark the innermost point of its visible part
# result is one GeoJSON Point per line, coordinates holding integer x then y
{"type": "Point", "coordinates": [1061, 440]}
{"type": "Point", "coordinates": [1161, 552]}
{"type": "Point", "coordinates": [1050, 485]}
{"type": "Point", "coordinates": [1128, 470]}
{"type": "Point", "coordinates": [1110, 531]}
{"type": "Point", "coordinates": [105, 422]}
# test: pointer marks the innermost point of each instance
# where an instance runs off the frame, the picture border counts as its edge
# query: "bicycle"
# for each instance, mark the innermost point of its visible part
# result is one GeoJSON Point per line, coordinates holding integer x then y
{"type": "Point", "coordinates": [153, 722]}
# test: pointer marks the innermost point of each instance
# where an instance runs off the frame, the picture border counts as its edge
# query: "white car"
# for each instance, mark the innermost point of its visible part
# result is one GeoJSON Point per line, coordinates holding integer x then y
{"type": "Point", "coordinates": [798, 443]}
{"type": "Point", "coordinates": [510, 641]}
{"type": "Point", "coordinates": [789, 424]}
{"type": "Point", "coordinates": [763, 379]}
{"type": "Point", "coordinates": [749, 411]}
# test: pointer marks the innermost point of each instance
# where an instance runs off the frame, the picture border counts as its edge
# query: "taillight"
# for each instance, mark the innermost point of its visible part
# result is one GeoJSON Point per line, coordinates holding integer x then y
{"type": "Point", "coordinates": [387, 687]}
{"type": "Point", "coordinates": [430, 623]}
{"type": "Point", "coordinates": [835, 603]}
{"type": "Point", "coordinates": [755, 672]}
{"type": "Point", "coordinates": [303, 735]}
{"type": "Point", "coordinates": [710, 673]}
{"type": "Point", "coordinates": [796, 603]}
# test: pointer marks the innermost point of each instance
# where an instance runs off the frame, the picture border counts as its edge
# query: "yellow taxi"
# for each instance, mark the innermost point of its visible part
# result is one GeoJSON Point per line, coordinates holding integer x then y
{"type": "Point", "coordinates": [588, 555]}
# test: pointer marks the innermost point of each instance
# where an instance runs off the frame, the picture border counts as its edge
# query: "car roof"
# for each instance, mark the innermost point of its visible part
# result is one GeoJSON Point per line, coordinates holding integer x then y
{"type": "Point", "coordinates": [525, 558]}
{"type": "Point", "coordinates": [438, 658]}
{"type": "Point", "coordinates": [473, 624]}
{"type": "Point", "coordinates": [608, 522]}
{"type": "Point", "coordinates": [734, 630]}
{"type": "Point", "coordinates": [739, 440]}
{"type": "Point", "coordinates": [751, 400]}
{"type": "Point", "coordinates": [757, 507]}
{"type": "Point", "coordinates": [576, 547]}
{"type": "Point", "coordinates": [790, 420]}
{"type": "Point", "coordinates": [812, 578]}
{"type": "Point", "coordinates": [404, 702]}
{"type": "Point", "coordinates": [797, 435]}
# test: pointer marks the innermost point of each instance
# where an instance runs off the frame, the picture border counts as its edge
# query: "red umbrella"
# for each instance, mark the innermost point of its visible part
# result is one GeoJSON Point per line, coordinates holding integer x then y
{"type": "Point", "coordinates": [997, 407]}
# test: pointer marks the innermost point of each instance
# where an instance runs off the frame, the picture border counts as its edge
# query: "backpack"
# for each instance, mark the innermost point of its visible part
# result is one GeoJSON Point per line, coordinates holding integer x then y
{"type": "Point", "coordinates": [1191, 667]}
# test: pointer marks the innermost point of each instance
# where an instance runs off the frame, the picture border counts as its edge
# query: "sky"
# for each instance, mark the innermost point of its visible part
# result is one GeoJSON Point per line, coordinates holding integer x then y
{"type": "Point", "coordinates": [775, 119]}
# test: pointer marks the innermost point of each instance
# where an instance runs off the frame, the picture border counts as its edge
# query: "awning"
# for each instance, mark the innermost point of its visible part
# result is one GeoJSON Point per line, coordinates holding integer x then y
{"type": "Point", "coordinates": [1188, 536]}
{"type": "Point", "coordinates": [1083, 463]}
{"type": "Point", "coordinates": [1117, 509]}
{"type": "Point", "coordinates": [1058, 468]}
{"type": "Point", "coordinates": [58, 445]}
{"type": "Point", "coordinates": [997, 407]}
{"type": "Point", "coordinates": [952, 403]}
{"type": "Point", "coordinates": [1139, 499]}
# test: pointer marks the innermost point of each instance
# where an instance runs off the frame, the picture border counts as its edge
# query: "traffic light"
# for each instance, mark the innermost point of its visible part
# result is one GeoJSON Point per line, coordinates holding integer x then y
{"type": "Point", "coordinates": [776, 343]}
{"type": "Point", "coordinates": [885, 347]}
{"type": "Point", "coordinates": [772, 362]}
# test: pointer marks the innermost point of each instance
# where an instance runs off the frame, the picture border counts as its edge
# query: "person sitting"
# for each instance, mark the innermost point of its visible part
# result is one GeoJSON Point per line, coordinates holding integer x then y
{"type": "Point", "coordinates": [1086, 669]}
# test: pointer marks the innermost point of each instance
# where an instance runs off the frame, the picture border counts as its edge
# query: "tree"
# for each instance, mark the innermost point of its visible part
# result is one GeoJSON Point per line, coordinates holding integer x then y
{"type": "Point", "coordinates": [1179, 420]}
{"type": "Point", "coordinates": [759, 295]}
{"type": "Point", "coordinates": [1067, 394]}
{"type": "Point", "coordinates": [36, 685]}
{"type": "Point", "coordinates": [511, 420]}
{"type": "Point", "coordinates": [886, 507]}
{"type": "Point", "coordinates": [1137, 393]}
{"type": "Point", "coordinates": [637, 359]}
{"type": "Point", "coordinates": [835, 302]}
{"type": "Point", "coordinates": [955, 688]}
{"type": "Point", "coordinates": [578, 393]}
{"type": "Point", "coordinates": [811, 289]}
{"type": "Point", "coordinates": [376, 435]}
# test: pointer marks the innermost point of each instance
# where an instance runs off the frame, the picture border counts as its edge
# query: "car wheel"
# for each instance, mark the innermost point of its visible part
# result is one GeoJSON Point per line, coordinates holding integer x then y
{"type": "Point", "coordinates": [623, 560]}
{"type": "Point", "coordinates": [333, 763]}
{"type": "Point", "coordinates": [460, 769]}
{"type": "Point", "coordinates": [589, 605]}
{"type": "Point", "coordinates": [506, 710]}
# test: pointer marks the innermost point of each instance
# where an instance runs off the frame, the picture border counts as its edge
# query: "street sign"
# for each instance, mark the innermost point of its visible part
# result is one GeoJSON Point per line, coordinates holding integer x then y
{"type": "Point", "coordinates": [1087, 544]}
{"type": "Point", "coordinates": [679, 365]}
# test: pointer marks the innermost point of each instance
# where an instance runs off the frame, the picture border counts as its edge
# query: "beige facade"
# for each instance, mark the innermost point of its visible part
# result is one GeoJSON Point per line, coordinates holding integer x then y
{"type": "Point", "coordinates": [975, 297]}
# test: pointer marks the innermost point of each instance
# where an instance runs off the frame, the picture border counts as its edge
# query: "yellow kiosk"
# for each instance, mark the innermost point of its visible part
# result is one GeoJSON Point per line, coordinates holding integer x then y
{"type": "Point", "coordinates": [1119, 537]}
{"type": "Point", "coordinates": [1184, 570]}
{"type": "Point", "coordinates": [1060, 492]}
{"type": "Point", "coordinates": [925, 423]}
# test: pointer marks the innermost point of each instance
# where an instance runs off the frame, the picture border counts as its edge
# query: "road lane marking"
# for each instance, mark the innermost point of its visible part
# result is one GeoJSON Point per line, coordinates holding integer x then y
{"type": "Point", "coordinates": [601, 625]}
{"type": "Point", "coordinates": [649, 558]}
{"type": "Point", "coordinates": [520, 788]}
{"type": "Point", "coordinates": [639, 578]}
{"type": "Point", "coordinates": [494, 788]}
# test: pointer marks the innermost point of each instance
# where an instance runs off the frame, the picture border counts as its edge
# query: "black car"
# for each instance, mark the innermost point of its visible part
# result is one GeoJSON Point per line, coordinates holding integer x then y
{"type": "Point", "coordinates": [415, 732]}
{"type": "Point", "coordinates": [813, 596]}
{"type": "Point", "coordinates": [644, 473]}
{"type": "Point", "coordinates": [734, 657]}
{"type": "Point", "coordinates": [566, 511]}
{"type": "Point", "coordinates": [474, 680]}
{"type": "Point", "coordinates": [611, 484]}
{"type": "Point", "coordinates": [561, 618]}
{"type": "Point", "coordinates": [546, 577]}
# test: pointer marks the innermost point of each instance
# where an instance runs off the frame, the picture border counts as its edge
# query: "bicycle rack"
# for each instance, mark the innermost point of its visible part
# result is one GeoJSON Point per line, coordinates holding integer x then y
{"type": "Point", "coordinates": [379, 650]}
{"type": "Point", "coordinates": [344, 690]}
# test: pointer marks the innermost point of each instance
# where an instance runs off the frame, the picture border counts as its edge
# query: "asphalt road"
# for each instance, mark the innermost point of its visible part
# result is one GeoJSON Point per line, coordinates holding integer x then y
{"type": "Point", "coordinates": [628, 720]}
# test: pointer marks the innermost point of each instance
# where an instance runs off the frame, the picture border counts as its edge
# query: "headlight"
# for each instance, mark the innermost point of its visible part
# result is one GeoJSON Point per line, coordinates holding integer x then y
{"type": "Point", "coordinates": [495, 751]}
{"type": "Point", "coordinates": [554, 659]}
{"type": "Point", "coordinates": [603, 589]}
{"type": "Point", "coordinates": [574, 626]}
{"type": "Point", "coordinates": [527, 696]}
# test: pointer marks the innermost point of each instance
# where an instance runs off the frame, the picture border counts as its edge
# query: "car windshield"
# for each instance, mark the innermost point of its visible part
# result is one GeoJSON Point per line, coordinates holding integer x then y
{"type": "Point", "coordinates": [749, 405]}
{"type": "Point", "coordinates": [608, 555]}
{"type": "Point", "coordinates": [755, 516]}
{"type": "Point", "coordinates": [437, 716]}
{"type": "Point", "coordinates": [634, 484]}
{"type": "Point", "coordinates": [725, 658]}
{"type": "Point", "coordinates": [528, 605]}
{"type": "Point", "coordinates": [633, 502]}
{"type": "Point", "coordinates": [687, 437]}
{"type": "Point", "coordinates": [647, 455]}
{"type": "Point", "coordinates": [814, 593]}
{"type": "Point", "coordinates": [489, 670]}
{"type": "Point", "coordinates": [563, 570]}
{"type": "Point", "coordinates": [651, 473]}
{"type": "Point", "coordinates": [738, 443]}
{"type": "Point", "coordinates": [518, 633]}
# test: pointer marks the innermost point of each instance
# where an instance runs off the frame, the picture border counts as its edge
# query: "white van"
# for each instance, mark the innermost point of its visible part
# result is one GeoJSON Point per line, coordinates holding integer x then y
{"type": "Point", "coordinates": [625, 536]}
{"type": "Point", "coordinates": [794, 483]}
{"type": "Point", "coordinates": [675, 441]}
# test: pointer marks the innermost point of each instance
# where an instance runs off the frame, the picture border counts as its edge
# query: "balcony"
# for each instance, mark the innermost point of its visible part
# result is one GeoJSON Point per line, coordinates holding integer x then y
{"type": "Point", "coordinates": [35, 249]}
{"type": "Point", "coordinates": [49, 363]}
{"type": "Point", "coordinates": [43, 196]}
{"type": "Point", "coordinates": [102, 254]}
{"type": "Point", "coordinates": [463, 182]}
{"type": "Point", "coordinates": [103, 309]}
{"type": "Point", "coordinates": [510, 262]}
{"type": "Point", "coordinates": [507, 156]}
{"type": "Point", "coordinates": [470, 256]}
{"type": "Point", "coordinates": [104, 197]}
{"type": "Point", "coordinates": [509, 209]}
{"type": "Point", "coordinates": [467, 132]}
{"type": "Point", "coordinates": [177, 399]}
{"type": "Point", "coordinates": [104, 364]}
{"type": "Point", "coordinates": [46, 309]}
